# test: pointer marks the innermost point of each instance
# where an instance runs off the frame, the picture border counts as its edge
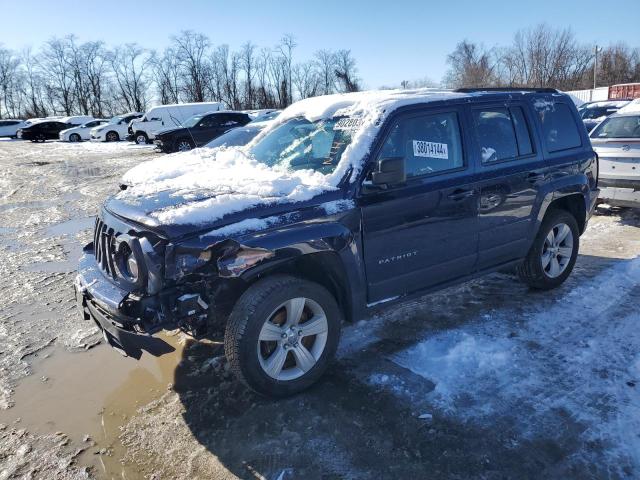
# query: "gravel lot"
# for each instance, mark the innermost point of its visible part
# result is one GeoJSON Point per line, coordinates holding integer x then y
{"type": "Point", "coordinates": [485, 380]}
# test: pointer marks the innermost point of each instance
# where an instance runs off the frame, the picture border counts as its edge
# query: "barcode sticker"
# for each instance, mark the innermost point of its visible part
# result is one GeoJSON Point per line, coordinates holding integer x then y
{"type": "Point", "coordinates": [430, 149]}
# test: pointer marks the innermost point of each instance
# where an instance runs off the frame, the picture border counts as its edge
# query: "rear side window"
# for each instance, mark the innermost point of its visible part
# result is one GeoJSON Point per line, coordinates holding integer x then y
{"type": "Point", "coordinates": [501, 133]}
{"type": "Point", "coordinates": [428, 143]}
{"type": "Point", "coordinates": [559, 129]}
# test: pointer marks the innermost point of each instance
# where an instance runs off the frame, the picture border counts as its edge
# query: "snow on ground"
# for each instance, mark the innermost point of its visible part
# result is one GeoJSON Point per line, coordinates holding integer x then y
{"type": "Point", "coordinates": [577, 359]}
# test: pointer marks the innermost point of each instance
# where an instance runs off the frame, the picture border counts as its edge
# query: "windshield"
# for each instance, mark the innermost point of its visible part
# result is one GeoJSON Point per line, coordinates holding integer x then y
{"type": "Point", "coordinates": [192, 121]}
{"type": "Point", "coordinates": [299, 144]}
{"type": "Point", "coordinates": [116, 119]}
{"type": "Point", "coordinates": [618, 127]}
{"type": "Point", "coordinates": [235, 138]}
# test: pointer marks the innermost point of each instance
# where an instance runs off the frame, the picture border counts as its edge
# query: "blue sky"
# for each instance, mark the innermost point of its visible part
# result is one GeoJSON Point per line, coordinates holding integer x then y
{"type": "Point", "coordinates": [391, 40]}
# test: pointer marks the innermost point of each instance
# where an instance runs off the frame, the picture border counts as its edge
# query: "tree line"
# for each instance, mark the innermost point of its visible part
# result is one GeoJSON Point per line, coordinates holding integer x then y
{"type": "Point", "coordinates": [542, 56]}
{"type": "Point", "coordinates": [68, 77]}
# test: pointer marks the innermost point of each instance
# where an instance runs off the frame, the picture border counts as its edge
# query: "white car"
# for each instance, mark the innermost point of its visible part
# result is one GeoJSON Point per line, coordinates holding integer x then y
{"type": "Point", "coordinates": [617, 142]}
{"type": "Point", "coordinates": [83, 132]}
{"type": "Point", "coordinates": [10, 127]}
{"type": "Point", "coordinates": [115, 129]}
{"type": "Point", "coordinates": [168, 116]}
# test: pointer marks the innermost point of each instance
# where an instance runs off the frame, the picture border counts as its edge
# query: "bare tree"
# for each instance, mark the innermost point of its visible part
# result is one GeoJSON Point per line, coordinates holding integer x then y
{"type": "Point", "coordinates": [619, 64]}
{"type": "Point", "coordinates": [10, 77]}
{"type": "Point", "coordinates": [346, 71]}
{"type": "Point", "coordinates": [285, 48]}
{"type": "Point", "coordinates": [305, 79]}
{"type": "Point", "coordinates": [131, 64]}
{"type": "Point", "coordinates": [546, 57]}
{"type": "Point", "coordinates": [325, 62]}
{"type": "Point", "coordinates": [191, 49]}
{"type": "Point", "coordinates": [470, 65]}
{"type": "Point", "coordinates": [54, 63]}
{"type": "Point", "coordinates": [247, 63]}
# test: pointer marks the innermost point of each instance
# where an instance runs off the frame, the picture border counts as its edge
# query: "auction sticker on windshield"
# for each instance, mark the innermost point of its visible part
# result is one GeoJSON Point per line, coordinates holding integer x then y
{"type": "Point", "coordinates": [348, 124]}
{"type": "Point", "coordinates": [430, 149]}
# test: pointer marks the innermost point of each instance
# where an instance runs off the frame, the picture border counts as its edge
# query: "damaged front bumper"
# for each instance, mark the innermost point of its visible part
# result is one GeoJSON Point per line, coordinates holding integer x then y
{"type": "Point", "coordinates": [102, 302]}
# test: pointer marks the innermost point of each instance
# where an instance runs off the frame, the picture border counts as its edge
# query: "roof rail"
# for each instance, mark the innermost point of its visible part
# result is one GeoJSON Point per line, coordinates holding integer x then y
{"type": "Point", "coordinates": [506, 89]}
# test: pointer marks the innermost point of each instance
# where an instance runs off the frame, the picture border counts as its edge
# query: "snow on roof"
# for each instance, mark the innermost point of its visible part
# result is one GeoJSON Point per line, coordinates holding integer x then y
{"type": "Point", "coordinates": [608, 104]}
{"type": "Point", "coordinates": [631, 107]}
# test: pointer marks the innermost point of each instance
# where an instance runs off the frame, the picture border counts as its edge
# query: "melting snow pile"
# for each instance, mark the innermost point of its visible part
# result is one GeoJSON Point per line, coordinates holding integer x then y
{"type": "Point", "coordinates": [224, 181]}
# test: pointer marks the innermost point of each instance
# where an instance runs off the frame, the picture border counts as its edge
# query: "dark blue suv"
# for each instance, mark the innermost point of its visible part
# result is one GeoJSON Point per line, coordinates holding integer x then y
{"type": "Point", "coordinates": [347, 203]}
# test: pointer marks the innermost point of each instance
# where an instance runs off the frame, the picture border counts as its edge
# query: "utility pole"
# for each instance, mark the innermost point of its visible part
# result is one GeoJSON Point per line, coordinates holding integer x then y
{"type": "Point", "coordinates": [596, 49]}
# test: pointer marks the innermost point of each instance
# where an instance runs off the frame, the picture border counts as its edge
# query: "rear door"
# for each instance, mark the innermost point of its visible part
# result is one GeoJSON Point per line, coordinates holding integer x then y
{"type": "Point", "coordinates": [422, 233]}
{"type": "Point", "coordinates": [512, 173]}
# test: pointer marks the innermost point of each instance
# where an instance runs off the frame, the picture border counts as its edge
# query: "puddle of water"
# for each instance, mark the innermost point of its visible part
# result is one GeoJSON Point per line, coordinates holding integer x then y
{"type": "Point", "coordinates": [72, 251]}
{"type": "Point", "coordinates": [70, 227]}
{"type": "Point", "coordinates": [34, 205]}
{"type": "Point", "coordinates": [91, 393]}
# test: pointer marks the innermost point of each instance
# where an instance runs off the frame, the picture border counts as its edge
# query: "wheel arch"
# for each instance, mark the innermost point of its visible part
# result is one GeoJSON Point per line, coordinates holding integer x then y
{"type": "Point", "coordinates": [575, 204]}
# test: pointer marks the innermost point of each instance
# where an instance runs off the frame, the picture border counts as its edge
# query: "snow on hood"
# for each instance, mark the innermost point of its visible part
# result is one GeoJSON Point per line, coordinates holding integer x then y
{"type": "Point", "coordinates": [234, 181]}
{"type": "Point", "coordinates": [227, 179]}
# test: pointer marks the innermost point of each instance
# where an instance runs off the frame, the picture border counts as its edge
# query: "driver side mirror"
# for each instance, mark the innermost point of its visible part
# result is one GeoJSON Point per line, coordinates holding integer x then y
{"type": "Point", "coordinates": [389, 171]}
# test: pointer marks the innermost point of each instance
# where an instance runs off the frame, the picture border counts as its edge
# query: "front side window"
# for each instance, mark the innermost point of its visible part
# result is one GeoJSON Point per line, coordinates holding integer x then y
{"type": "Point", "coordinates": [559, 129]}
{"type": "Point", "coordinates": [428, 143]}
{"type": "Point", "coordinates": [300, 144]}
{"type": "Point", "coordinates": [618, 127]}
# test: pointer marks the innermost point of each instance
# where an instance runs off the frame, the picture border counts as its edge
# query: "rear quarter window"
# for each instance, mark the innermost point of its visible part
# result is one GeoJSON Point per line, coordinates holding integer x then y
{"type": "Point", "coordinates": [559, 128]}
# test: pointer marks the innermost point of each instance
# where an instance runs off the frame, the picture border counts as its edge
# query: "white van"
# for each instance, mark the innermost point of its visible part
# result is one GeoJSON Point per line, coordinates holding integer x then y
{"type": "Point", "coordinates": [168, 116]}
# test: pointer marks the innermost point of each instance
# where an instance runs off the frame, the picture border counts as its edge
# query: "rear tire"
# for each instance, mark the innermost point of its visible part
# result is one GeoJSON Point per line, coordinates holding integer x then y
{"type": "Point", "coordinates": [553, 254]}
{"type": "Point", "coordinates": [282, 334]}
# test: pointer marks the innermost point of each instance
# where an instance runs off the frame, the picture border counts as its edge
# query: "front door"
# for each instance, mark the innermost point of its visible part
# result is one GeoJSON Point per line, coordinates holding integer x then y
{"type": "Point", "coordinates": [422, 233]}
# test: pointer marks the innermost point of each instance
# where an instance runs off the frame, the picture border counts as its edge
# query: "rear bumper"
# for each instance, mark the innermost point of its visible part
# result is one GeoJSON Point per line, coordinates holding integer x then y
{"type": "Point", "coordinates": [621, 197]}
{"type": "Point", "coordinates": [100, 301]}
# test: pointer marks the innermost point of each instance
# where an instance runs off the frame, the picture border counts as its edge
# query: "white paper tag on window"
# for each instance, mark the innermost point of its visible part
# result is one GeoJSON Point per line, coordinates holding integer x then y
{"type": "Point", "coordinates": [348, 124]}
{"type": "Point", "coordinates": [430, 149]}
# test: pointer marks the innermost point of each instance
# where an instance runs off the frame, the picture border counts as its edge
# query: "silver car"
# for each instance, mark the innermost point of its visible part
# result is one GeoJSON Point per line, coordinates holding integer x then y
{"type": "Point", "coordinates": [617, 142]}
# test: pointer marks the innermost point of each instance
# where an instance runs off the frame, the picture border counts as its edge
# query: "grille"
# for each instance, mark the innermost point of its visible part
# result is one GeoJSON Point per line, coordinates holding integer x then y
{"type": "Point", "coordinates": [104, 247]}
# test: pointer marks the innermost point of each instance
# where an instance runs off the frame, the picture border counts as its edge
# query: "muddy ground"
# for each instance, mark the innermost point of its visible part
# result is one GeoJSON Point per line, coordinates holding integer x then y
{"type": "Point", "coordinates": [485, 380]}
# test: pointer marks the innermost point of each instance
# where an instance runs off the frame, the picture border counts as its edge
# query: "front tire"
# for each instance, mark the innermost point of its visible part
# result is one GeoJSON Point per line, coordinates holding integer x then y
{"type": "Point", "coordinates": [74, 137]}
{"type": "Point", "coordinates": [553, 253]}
{"type": "Point", "coordinates": [183, 145]}
{"type": "Point", "coordinates": [112, 136]}
{"type": "Point", "coordinates": [282, 334]}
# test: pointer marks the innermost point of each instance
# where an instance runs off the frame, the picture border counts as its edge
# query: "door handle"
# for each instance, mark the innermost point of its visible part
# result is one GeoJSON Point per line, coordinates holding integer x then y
{"type": "Point", "coordinates": [536, 178]}
{"type": "Point", "coordinates": [461, 195]}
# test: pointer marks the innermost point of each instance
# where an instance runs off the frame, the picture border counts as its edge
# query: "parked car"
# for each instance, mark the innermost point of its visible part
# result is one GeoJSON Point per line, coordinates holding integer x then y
{"type": "Point", "coordinates": [593, 113]}
{"type": "Point", "coordinates": [42, 130]}
{"type": "Point", "coordinates": [165, 117]}
{"type": "Point", "coordinates": [346, 204]}
{"type": "Point", "coordinates": [10, 127]}
{"type": "Point", "coordinates": [238, 137]}
{"type": "Point", "coordinates": [199, 130]}
{"type": "Point", "coordinates": [81, 132]}
{"type": "Point", "coordinates": [115, 130]}
{"type": "Point", "coordinates": [617, 142]}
